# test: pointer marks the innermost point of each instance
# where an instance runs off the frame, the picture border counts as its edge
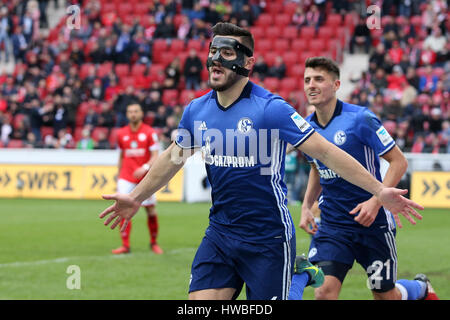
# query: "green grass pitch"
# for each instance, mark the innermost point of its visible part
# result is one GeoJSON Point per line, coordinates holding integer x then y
{"type": "Point", "coordinates": [40, 239]}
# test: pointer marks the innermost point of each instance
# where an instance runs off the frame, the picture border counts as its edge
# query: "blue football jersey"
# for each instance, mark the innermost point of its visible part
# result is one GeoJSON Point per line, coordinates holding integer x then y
{"type": "Point", "coordinates": [244, 147]}
{"type": "Point", "coordinates": [360, 133]}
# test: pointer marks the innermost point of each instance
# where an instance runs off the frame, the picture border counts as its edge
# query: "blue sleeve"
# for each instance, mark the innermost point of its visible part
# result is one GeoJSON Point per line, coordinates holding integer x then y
{"type": "Point", "coordinates": [373, 134]}
{"type": "Point", "coordinates": [292, 128]}
{"type": "Point", "coordinates": [185, 135]}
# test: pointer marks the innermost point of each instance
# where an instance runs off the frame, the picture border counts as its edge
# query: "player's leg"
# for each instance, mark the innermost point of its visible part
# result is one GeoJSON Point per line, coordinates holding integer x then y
{"type": "Point", "coordinates": [266, 268]}
{"type": "Point", "coordinates": [331, 250]}
{"type": "Point", "coordinates": [212, 273]}
{"type": "Point", "coordinates": [305, 274]}
{"type": "Point", "coordinates": [152, 223]}
{"type": "Point", "coordinates": [124, 186]}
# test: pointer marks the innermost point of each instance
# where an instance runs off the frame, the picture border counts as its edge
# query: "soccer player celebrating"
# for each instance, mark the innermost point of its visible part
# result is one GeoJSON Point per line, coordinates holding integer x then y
{"type": "Point", "coordinates": [242, 130]}
{"type": "Point", "coordinates": [139, 147]}
{"type": "Point", "coordinates": [354, 224]}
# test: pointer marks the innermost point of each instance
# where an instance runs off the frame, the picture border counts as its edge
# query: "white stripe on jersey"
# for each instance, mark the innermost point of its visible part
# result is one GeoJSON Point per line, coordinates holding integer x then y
{"type": "Point", "coordinates": [370, 160]}
{"type": "Point", "coordinates": [277, 153]}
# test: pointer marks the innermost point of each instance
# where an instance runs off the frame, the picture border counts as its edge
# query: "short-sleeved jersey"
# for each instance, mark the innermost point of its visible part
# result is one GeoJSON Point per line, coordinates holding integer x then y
{"type": "Point", "coordinates": [136, 149]}
{"type": "Point", "coordinates": [360, 133]}
{"type": "Point", "coordinates": [244, 148]}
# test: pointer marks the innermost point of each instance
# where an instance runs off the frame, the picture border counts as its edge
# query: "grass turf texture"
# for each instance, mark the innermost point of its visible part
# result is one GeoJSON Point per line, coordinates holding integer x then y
{"type": "Point", "coordinates": [40, 239]}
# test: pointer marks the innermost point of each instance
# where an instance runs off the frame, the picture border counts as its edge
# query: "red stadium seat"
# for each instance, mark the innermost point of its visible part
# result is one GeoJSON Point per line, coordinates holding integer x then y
{"type": "Point", "coordinates": [156, 69]}
{"type": "Point", "coordinates": [257, 32]}
{"type": "Point", "coordinates": [46, 131]}
{"type": "Point", "coordinates": [263, 45]}
{"type": "Point", "coordinates": [273, 32]}
{"type": "Point", "coordinates": [108, 7]}
{"type": "Point", "coordinates": [289, 83]}
{"type": "Point", "coordinates": [15, 143]}
{"type": "Point", "coordinates": [177, 46]}
{"type": "Point", "coordinates": [122, 70]}
{"type": "Point", "coordinates": [274, 8]}
{"type": "Point", "coordinates": [270, 56]}
{"type": "Point", "coordinates": [271, 84]}
{"type": "Point", "coordinates": [104, 69]}
{"type": "Point", "coordinates": [290, 58]}
{"type": "Point", "coordinates": [194, 44]}
{"type": "Point", "coordinates": [299, 45]}
{"type": "Point", "coordinates": [317, 46]}
{"type": "Point", "coordinates": [290, 32]}
{"type": "Point", "coordinates": [307, 33]}
{"type": "Point", "coordinates": [127, 81]}
{"type": "Point", "coordinates": [160, 47]}
{"type": "Point", "coordinates": [282, 20]}
{"type": "Point", "coordinates": [125, 8]}
{"type": "Point", "coordinates": [326, 33]}
{"type": "Point", "coordinates": [186, 96]}
{"type": "Point", "coordinates": [305, 55]}
{"type": "Point", "coordinates": [264, 19]}
{"type": "Point", "coordinates": [96, 132]}
{"type": "Point", "coordinates": [113, 137]}
{"type": "Point", "coordinates": [138, 69]}
{"type": "Point", "coordinates": [281, 45]}
{"type": "Point", "coordinates": [167, 58]}
{"type": "Point", "coordinates": [141, 8]}
{"type": "Point", "coordinates": [170, 97]}
{"type": "Point", "coordinates": [296, 70]}
{"type": "Point", "coordinates": [334, 20]}
{"type": "Point", "coordinates": [290, 8]}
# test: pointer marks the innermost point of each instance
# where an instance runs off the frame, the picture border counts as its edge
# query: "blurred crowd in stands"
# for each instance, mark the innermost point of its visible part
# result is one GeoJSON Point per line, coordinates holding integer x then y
{"type": "Point", "coordinates": [70, 87]}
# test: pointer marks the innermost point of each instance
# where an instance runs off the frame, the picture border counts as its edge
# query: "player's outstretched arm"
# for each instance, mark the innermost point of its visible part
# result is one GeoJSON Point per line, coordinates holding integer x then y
{"type": "Point", "coordinates": [351, 170]}
{"type": "Point", "coordinates": [312, 193]}
{"type": "Point", "coordinates": [163, 169]}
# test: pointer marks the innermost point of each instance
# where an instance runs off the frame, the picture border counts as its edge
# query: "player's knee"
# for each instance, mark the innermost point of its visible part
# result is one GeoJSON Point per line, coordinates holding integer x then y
{"type": "Point", "coordinates": [392, 294]}
{"type": "Point", "coordinates": [326, 292]}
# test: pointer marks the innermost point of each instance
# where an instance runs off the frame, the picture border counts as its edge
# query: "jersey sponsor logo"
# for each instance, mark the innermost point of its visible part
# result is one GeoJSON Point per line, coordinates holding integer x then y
{"type": "Point", "coordinates": [384, 136]}
{"type": "Point", "coordinates": [134, 153]}
{"type": "Point", "coordinates": [325, 173]}
{"type": "Point", "coordinates": [301, 123]}
{"type": "Point", "coordinates": [225, 161]}
{"type": "Point", "coordinates": [244, 125]}
{"type": "Point", "coordinates": [340, 137]}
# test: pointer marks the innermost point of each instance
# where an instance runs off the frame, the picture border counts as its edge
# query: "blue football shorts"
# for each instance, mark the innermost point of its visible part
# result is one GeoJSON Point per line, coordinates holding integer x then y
{"type": "Point", "coordinates": [224, 262]}
{"type": "Point", "coordinates": [375, 252]}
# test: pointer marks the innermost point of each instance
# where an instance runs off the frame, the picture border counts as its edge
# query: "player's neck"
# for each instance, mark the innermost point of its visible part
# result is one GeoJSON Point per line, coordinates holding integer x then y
{"type": "Point", "coordinates": [135, 126]}
{"type": "Point", "coordinates": [325, 112]}
{"type": "Point", "coordinates": [227, 97]}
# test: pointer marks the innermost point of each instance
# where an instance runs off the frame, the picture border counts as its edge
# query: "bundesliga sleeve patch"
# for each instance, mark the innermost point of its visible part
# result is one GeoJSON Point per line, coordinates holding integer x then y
{"type": "Point", "coordinates": [384, 136]}
{"type": "Point", "coordinates": [301, 123]}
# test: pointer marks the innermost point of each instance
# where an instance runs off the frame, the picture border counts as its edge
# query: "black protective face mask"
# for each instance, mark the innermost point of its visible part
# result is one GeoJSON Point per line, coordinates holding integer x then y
{"type": "Point", "coordinates": [236, 65]}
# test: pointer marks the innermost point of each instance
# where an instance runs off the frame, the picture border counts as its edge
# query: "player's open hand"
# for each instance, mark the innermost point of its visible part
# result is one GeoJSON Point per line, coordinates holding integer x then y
{"type": "Point", "coordinates": [393, 200]}
{"type": "Point", "coordinates": [307, 222]}
{"type": "Point", "coordinates": [368, 211]}
{"type": "Point", "coordinates": [124, 208]}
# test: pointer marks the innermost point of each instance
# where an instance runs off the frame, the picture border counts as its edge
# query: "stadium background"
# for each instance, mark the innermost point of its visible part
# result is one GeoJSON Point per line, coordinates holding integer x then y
{"type": "Point", "coordinates": [66, 89]}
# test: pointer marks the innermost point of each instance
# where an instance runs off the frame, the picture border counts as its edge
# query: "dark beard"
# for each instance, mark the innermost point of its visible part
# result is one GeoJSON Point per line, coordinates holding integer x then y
{"type": "Point", "coordinates": [230, 81]}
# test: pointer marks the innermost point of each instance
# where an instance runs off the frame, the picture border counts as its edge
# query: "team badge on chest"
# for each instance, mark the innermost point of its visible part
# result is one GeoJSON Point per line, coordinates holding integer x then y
{"type": "Point", "coordinates": [340, 137]}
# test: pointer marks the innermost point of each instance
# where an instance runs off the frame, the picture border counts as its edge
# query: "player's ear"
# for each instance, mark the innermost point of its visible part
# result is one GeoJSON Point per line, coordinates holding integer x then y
{"type": "Point", "coordinates": [249, 62]}
{"type": "Point", "coordinates": [337, 84]}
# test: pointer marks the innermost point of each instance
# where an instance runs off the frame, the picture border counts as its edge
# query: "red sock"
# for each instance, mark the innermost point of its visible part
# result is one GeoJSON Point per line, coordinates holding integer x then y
{"type": "Point", "coordinates": [432, 296]}
{"type": "Point", "coordinates": [152, 223]}
{"type": "Point", "coordinates": [126, 234]}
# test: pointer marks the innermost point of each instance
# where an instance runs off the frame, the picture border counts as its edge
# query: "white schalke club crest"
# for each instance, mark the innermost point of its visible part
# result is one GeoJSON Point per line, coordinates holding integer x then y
{"type": "Point", "coordinates": [312, 253]}
{"type": "Point", "coordinates": [340, 137]}
{"type": "Point", "coordinates": [244, 125]}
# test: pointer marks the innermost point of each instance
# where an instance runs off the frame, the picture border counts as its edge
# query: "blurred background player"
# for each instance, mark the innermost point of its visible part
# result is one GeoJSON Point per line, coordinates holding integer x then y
{"type": "Point", "coordinates": [354, 225]}
{"type": "Point", "coordinates": [139, 148]}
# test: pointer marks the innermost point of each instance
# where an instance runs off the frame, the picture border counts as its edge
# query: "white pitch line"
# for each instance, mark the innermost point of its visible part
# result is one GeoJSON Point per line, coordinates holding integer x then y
{"type": "Point", "coordinates": [66, 259]}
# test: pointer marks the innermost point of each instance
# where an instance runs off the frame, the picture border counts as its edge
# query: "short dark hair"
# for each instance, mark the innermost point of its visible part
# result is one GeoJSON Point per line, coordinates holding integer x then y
{"type": "Point", "coordinates": [324, 63]}
{"type": "Point", "coordinates": [229, 29]}
{"type": "Point", "coordinates": [135, 102]}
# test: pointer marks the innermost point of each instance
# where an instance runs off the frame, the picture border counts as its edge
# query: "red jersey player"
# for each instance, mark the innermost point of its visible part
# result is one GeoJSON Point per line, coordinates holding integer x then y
{"type": "Point", "coordinates": [139, 147]}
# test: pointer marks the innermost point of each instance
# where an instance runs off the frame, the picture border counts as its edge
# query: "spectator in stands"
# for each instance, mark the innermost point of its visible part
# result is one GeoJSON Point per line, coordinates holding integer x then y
{"type": "Point", "coordinates": [446, 134]}
{"type": "Point", "coordinates": [160, 117]}
{"type": "Point", "coordinates": [244, 14]}
{"type": "Point", "coordinates": [106, 115]}
{"type": "Point", "coordinates": [192, 70]}
{"type": "Point", "coordinates": [64, 140]}
{"type": "Point", "coordinates": [395, 52]}
{"type": "Point", "coordinates": [380, 81]}
{"type": "Point", "coordinates": [108, 51]}
{"type": "Point", "coordinates": [435, 120]}
{"type": "Point", "coordinates": [211, 14]}
{"type": "Point", "coordinates": [199, 30]}
{"type": "Point", "coordinates": [390, 31]}
{"type": "Point", "coordinates": [120, 105]}
{"type": "Point", "coordinates": [27, 24]}
{"type": "Point", "coordinates": [436, 42]}
{"type": "Point", "coordinates": [19, 45]}
{"type": "Point", "coordinates": [361, 36]}
{"type": "Point", "coordinates": [166, 28]}
{"type": "Point", "coordinates": [31, 142]}
{"type": "Point", "coordinates": [299, 17]}
{"type": "Point", "coordinates": [97, 91]}
{"type": "Point", "coordinates": [6, 29]}
{"type": "Point", "coordinates": [6, 129]}
{"type": "Point", "coordinates": [96, 54]}
{"type": "Point", "coordinates": [314, 17]}
{"type": "Point", "coordinates": [86, 142]}
{"type": "Point", "coordinates": [172, 73]}
{"type": "Point", "coordinates": [412, 77]}
{"type": "Point", "coordinates": [59, 118]}
{"type": "Point", "coordinates": [103, 142]}
{"type": "Point", "coordinates": [142, 47]}
{"type": "Point", "coordinates": [184, 28]}
{"type": "Point", "coordinates": [396, 82]}
{"type": "Point", "coordinates": [91, 118]}
{"type": "Point", "coordinates": [428, 81]}
{"type": "Point", "coordinates": [152, 103]}
{"type": "Point", "coordinates": [112, 89]}
{"type": "Point", "coordinates": [123, 48]}
{"type": "Point", "coordinates": [261, 69]}
{"type": "Point", "coordinates": [196, 12]}
{"type": "Point", "coordinates": [170, 126]}
{"type": "Point", "coordinates": [278, 69]}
